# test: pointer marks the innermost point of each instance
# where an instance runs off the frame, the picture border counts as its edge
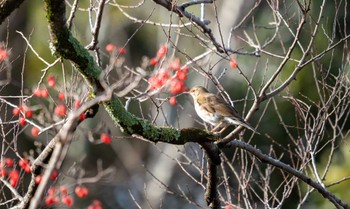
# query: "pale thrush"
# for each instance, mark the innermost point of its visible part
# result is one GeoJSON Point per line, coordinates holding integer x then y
{"type": "Point", "coordinates": [214, 110]}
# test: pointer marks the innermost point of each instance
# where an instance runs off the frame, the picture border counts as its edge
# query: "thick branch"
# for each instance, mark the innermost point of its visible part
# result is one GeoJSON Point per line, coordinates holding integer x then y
{"type": "Point", "coordinates": [131, 124]}
{"type": "Point", "coordinates": [7, 7]}
{"type": "Point", "coordinates": [213, 160]}
{"type": "Point", "coordinates": [68, 47]}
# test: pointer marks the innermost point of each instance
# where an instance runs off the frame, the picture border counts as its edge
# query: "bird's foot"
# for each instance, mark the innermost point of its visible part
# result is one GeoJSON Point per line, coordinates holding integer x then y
{"type": "Point", "coordinates": [216, 133]}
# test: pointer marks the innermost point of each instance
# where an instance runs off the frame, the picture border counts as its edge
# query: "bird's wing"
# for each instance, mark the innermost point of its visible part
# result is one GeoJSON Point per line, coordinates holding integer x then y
{"type": "Point", "coordinates": [219, 105]}
{"type": "Point", "coordinates": [222, 107]}
{"type": "Point", "coordinates": [204, 103]}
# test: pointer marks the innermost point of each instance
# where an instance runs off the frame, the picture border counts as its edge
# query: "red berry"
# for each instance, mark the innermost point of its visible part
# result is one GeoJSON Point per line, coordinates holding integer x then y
{"type": "Point", "coordinates": [61, 110]}
{"type": "Point", "coordinates": [51, 81]}
{"type": "Point", "coordinates": [81, 191]}
{"type": "Point", "coordinates": [61, 96]}
{"type": "Point", "coordinates": [77, 104]}
{"type": "Point", "coordinates": [181, 75]}
{"type": "Point", "coordinates": [9, 162]}
{"type": "Point", "coordinates": [13, 183]}
{"type": "Point", "coordinates": [35, 131]}
{"type": "Point", "coordinates": [163, 76]}
{"type": "Point", "coordinates": [64, 190]}
{"type": "Point", "coordinates": [110, 47]}
{"type": "Point", "coordinates": [172, 101]}
{"type": "Point", "coordinates": [121, 50]}
{"type": "Point", "coordinates": [96, 204]}
{"type": "Point", "coordinates": [54, 175]}
{"type": "Point", "coordinates": [176, 87]}
{"type": "Point", "coordinates": [16, 111]}
{"type": "Point", "coordinates": [2, 172]}
{"type": "Point", "coordinates": [160, 81]}
{"type": "Point", "coordinates": [38, 179]}
{"type": "Point", "coordinates": [105, 138]}
{"type": "Point", "coordinates": [14, 177]}
{"type": "Point", "coordinates": [51, 191]}
{"type": "Point", "coordinates": [162, 51]}
{"type": "Point", "coordinates": [24, 164]}
{"type": "Point", "coordinates": [153, 82]}
{"type": "Point", "coordinates": [67, 200]}
{"type": "Point", "coordinates": [3, 54]}
{"type": "Point", "coordinates": [22, 121]}
{"type": "Point", "coordinates": [233, 63]}
{"type": "Point", "coordinates": [44, 93]}
{"type": "Point", "coordinates": [29, 113]}
{"type": "Point", "coordinates": [50, 200]}
{"type": "Point", "coordinates": [153, 61]}
{"type": "Point", "coordinates": [82, 116]}
{"type": "Point", "coordinates": [175, 64]}
{"type": "Point", "coordinates": [37, 92]}
{"type": "Point", "coordinates": [94, 207]}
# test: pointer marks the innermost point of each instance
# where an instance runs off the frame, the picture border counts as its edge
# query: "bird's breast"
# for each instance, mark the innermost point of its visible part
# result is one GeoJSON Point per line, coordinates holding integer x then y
{"type": "Point", "coordinates": [208, 117]}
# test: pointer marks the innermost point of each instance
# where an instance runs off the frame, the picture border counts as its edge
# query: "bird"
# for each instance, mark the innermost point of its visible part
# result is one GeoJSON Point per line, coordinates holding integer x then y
{"type": "Point", "coordinates": [212, 109]}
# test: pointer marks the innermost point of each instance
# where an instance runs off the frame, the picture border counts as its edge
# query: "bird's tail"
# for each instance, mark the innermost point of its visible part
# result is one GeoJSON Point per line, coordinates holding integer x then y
{"type": "Point", "coordinates": [241, 122]}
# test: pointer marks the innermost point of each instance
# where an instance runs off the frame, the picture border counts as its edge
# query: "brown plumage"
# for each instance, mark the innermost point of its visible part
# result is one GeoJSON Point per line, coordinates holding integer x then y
{"type": "Point", "coordinates": [214, 110]}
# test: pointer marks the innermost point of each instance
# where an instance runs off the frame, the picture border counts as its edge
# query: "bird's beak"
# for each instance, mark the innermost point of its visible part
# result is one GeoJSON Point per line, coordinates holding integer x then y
{"type": "Point", "coordinates": [184, 92]}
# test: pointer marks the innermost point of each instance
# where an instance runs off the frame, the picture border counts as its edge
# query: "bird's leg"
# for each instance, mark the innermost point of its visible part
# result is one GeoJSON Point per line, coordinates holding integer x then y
{"type": "Point", "coordinates": [223, 129]}
{"type": "Point", "coordinates": [216, 127]}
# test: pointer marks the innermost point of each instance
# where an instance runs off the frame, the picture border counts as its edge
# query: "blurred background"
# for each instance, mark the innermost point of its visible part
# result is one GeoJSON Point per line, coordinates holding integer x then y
{"type": "Point", "coordinates": [139, 174]}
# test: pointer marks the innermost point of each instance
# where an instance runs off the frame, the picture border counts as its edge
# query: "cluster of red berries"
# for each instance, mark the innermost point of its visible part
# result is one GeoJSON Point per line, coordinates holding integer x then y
{"type": "Point", "coordinates": [53, 195]}
{"type": "Point", "coordinates": [169, 76]}
{"type": "Point", "coordinates": [7, 168]}
{"type": "Point", "coordinates": [110, 48]}
{"type": "Point", "coordinates": [162, 51]}
{"type": "Point", "coordinates": [43, 92]}
{"type": "Point", "coordinates": [54, 176]}
{"type": "Point", "coordinates": [24, 112]}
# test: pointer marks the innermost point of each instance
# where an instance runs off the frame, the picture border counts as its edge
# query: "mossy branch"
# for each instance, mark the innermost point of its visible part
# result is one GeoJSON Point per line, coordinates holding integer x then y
{"type": "Point", "coordinates": [7, 7]}
{"type": "Point", "coordinates": [66, 46]}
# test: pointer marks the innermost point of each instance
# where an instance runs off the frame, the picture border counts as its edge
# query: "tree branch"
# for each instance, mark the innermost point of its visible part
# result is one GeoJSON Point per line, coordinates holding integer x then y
{"type": "Point", "coordinates": [213, 160]}
{"type": "Point", "coordinates": [338, 203]}
{"type": "Point", "coordinates": [7, 7]}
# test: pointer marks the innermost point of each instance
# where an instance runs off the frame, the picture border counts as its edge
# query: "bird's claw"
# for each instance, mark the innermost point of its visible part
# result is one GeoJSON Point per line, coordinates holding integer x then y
{"type": "Point", "coordinates": [216, 133]}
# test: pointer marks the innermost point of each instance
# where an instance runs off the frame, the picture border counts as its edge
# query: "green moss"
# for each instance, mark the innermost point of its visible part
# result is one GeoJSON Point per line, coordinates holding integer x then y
{"type": "Point", "coordinates": [148, 131]}
{"type": "Point", "coordinates": [121, 117]}
{"type": "Point", "coordinates": [171, 133]}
